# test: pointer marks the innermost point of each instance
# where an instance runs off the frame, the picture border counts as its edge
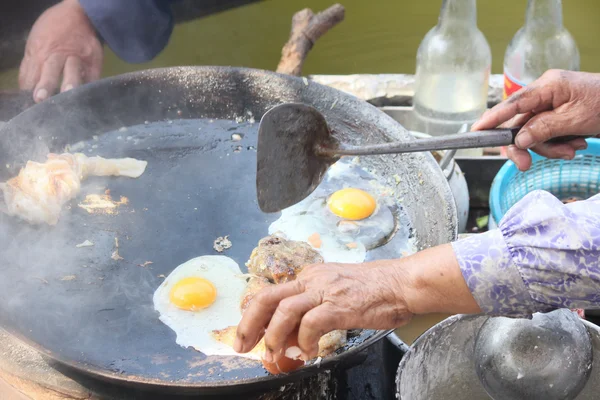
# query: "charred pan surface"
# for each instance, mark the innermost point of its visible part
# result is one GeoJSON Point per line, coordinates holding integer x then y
{"type": "Point", "coordinates": [281, 260]}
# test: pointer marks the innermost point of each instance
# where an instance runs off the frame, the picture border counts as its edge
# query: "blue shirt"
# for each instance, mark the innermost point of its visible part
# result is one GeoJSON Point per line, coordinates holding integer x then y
{"type": "Point", "coordinates": [136, 30]}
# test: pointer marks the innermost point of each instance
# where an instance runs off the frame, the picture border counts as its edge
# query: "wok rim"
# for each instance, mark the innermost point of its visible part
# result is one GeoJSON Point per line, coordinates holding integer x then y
{"type": "Point", "coordinates": [327, 363]}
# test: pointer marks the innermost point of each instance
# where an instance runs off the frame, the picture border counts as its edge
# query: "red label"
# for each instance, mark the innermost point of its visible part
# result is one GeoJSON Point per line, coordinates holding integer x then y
{"type": "Point", "coordinates": [510, 86]}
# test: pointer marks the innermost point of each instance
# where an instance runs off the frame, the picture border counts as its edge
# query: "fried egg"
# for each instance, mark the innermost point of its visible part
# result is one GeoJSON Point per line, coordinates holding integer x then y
{"type": "Point", "coordinates": [201, 296]}
{"type": "Point", "coordinates": [350, 213]}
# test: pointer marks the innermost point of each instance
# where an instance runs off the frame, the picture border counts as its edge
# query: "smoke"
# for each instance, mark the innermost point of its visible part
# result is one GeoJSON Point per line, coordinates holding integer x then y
{"type": "Point", "coordinates": [49, 286]}
{"type": "Point", "coordinates": [53, 290]}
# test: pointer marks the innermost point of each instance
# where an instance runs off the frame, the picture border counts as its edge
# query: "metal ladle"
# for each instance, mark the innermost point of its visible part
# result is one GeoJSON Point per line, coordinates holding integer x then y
{"type": "Point", "coordinates": [548, 357]}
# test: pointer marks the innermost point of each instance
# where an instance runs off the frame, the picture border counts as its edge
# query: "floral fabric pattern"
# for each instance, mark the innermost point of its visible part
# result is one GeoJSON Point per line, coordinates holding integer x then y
{"type": "Point", "coordinates": [544, 255]}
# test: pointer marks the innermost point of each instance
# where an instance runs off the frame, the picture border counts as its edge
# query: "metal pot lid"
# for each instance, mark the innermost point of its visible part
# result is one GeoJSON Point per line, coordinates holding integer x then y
{"type": "Point", "coordinates": [440, 365]}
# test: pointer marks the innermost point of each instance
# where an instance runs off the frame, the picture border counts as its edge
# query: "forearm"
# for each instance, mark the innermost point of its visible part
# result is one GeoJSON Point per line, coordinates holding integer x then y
{"type": "Point", "coordinates": [432, 282]}
{"type": "Point", "coordinates": [545, 255]}
{"type": "Point", "coordinates": [136, 30]}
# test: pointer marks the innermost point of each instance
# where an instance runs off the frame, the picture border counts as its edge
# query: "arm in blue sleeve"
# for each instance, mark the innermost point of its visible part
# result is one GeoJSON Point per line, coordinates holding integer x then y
{"type": "Point", "coordinates": [136, 30]}
{"type": "Point", "coordinates": [545, 255]}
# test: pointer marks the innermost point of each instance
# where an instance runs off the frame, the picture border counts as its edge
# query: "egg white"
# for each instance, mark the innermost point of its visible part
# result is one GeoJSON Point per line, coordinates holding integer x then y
{"type": "Point", "coordinates": [333, 247]}
{"type": "Point", "coordinates": [312, 215]}
{"type": "Point", "coordinates": [193, 328]}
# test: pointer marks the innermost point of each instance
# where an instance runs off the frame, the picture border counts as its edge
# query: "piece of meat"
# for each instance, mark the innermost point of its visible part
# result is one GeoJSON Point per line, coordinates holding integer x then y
{"type": "Point", "coordinates": [98, 166]}
{"type": "Point", "coordinates": [332, 341]}
{"type": "Point", "coordinates": [227, 336]}
{"type": "Point", "coordinates": [281, 260]}
{"type": "Point", "coordinates": [39, 192]}
{"type": "Point", "coordinates": [255, 284]}
{"type": "Point", "coordinates": [328, 343]}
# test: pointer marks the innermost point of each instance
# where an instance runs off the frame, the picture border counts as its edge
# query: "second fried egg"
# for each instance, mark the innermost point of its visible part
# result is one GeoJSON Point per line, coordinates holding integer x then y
{"type": "Point", "coordinates": [349, 213]}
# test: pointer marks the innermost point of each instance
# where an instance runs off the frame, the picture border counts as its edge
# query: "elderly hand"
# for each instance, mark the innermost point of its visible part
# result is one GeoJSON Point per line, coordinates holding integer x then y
{"type": "Point", "coordinates": [374, 295]}
{"type": "Point", "coordinates": [559, 103]}
{"type": "Point", "coordinates": [62, 42]}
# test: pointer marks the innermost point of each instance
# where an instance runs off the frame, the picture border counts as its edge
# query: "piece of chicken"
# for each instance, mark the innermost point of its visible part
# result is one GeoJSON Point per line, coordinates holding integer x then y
{"type": "Point", "coordinates": [39, 192]}
{"type": "Point", "coordinates": [227, 336]}
{"type": "Point", "coordinates": [97, 166]}
{"type": "Point", "coordinates": [281, 260]}
{"type": "Point", "coordinates": [255, 285]}
{"type": "Point", "coordinates": [328, 343]}
{"type": "Point", "coordinates": [332, 341]}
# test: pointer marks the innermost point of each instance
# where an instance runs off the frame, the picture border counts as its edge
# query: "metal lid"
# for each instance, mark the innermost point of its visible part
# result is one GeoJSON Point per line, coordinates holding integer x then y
{"type": "Point", "coordinates": [440, 365]}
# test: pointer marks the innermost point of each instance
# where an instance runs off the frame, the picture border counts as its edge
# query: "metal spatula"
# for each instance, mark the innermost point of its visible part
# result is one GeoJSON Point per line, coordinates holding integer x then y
{"type": "Point", "coordinates": [295, 149]}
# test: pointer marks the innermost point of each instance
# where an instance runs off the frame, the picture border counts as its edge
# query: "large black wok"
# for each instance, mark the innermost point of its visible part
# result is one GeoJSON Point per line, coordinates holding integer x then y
{"type": "Point", "coordinates": [91, 312]}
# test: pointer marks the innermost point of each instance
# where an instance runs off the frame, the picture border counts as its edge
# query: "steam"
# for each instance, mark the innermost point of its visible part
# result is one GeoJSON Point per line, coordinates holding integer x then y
{"type": "Point", "coordinates": [46, 280]}
{"type": "Point", "coordinates": [107, 297]}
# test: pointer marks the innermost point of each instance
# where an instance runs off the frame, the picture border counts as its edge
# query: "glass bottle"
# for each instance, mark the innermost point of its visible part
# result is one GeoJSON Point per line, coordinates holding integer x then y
{"type": "Point", "coordinates": [453, 68]}
{"type": "Point", "coordinates": [541, 44]}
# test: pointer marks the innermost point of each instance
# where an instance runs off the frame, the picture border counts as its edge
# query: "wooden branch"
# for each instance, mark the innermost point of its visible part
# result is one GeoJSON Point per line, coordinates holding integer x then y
{"type": "Point", "coordinates": [307, 28]}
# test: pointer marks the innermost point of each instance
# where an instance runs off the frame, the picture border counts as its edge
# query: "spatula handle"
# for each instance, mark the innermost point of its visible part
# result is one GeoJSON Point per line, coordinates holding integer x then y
{"type": "Point", "coordinates": [467, 140]}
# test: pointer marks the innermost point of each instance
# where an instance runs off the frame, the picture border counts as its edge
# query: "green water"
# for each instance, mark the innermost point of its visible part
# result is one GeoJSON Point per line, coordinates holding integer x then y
{"type": "Point", "coordinates": [379, 36]}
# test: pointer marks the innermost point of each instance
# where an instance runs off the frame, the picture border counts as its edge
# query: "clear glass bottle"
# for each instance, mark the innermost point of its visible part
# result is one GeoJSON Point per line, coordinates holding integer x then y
{"type": "Point", "coordinates": [541, 44]}
{"type": "Point", "coordinates": [453, 68]}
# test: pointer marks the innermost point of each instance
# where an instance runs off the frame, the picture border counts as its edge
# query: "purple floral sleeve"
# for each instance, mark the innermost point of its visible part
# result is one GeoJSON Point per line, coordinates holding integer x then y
{"type": "Point", "coordinates": [545, 255]}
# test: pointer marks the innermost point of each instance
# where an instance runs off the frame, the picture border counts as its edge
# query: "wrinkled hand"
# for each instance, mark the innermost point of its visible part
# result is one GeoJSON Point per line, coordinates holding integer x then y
{"type": "Point", "coordinates": [62, 42]}
{"type": "Point", "coordinates": [323, 298]}
{"type": "Point", "coordinates": [559, 103]}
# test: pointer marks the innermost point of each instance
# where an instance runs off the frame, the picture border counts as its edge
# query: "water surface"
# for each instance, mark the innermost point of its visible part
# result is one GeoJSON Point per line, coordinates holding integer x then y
{"type": "Point", "coordinates": [379, 36]}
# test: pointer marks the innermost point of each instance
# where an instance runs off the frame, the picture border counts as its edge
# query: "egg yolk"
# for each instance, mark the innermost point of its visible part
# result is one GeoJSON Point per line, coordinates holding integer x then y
{"type": "Point", "coordinates": [352, 204]}
{"type": "Point", "coordinates": [193, 294]}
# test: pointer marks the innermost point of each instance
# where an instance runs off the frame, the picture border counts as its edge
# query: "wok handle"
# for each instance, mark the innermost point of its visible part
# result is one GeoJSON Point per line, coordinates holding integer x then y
{"type": "Point", "coordinates": [467, 140]}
